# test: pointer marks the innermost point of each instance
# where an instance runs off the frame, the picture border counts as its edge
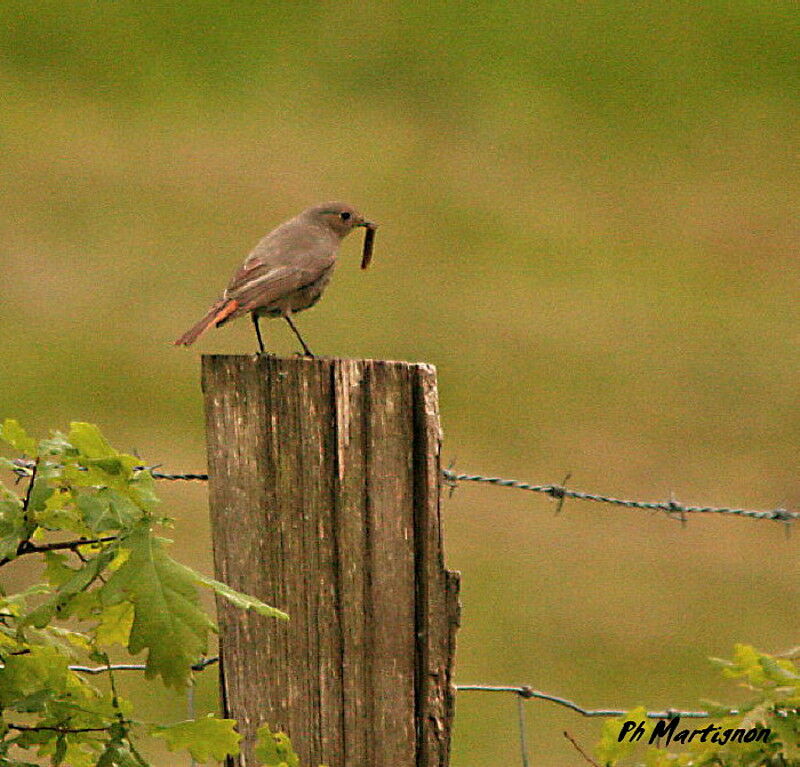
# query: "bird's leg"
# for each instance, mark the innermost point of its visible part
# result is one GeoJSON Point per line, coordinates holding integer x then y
{"type": "Point", "coordinates": [308, 351]}
{"type": "Point", "coordinates": [254, 317]}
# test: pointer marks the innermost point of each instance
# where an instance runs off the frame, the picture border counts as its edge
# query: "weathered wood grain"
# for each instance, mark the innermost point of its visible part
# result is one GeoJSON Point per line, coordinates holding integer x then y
{"type": "Point", "coordinates": [324, 495]}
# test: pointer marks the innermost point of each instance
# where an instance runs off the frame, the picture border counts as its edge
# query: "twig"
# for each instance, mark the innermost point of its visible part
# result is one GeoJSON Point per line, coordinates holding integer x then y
{"type": "Point", "coordinates": [27, 500]}
{"type": "Point", "coordinates": [35, 548]}
{"type": "Point", "coordinates": [580, 750]}
{"type": "Point", "coordinates": [26, 547]}
{"type": "Point", "coordinates": [64, 730]}
{"type": "Point", "coordinates": [30, 526]}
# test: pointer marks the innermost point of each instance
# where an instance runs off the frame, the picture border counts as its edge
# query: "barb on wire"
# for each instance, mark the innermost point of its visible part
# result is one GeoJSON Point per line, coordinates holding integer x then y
{"type": "Point", "coordinates": [671, 507]}
{"type": "Point", "coordinates": [525, 691]}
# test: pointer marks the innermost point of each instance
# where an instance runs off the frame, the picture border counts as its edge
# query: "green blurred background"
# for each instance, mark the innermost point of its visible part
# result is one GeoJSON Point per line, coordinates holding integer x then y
{"type": "Point", "coordinates": [589, 223]}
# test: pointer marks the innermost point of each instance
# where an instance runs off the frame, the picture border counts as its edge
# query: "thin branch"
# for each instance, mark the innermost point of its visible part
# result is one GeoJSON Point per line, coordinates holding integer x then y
{"type": "Point", "coordinates": [63, 730]}
{"type": "Point", "coordinates": [136, 755]}
{"type": "Point", "coordinates": [580, 750]}
{"type": "Point", "coordinates": [27, 500]}
{"type": "Point", "coordinates": [35, 548]}
{"type": "Point", "coordinates": [26, 547]}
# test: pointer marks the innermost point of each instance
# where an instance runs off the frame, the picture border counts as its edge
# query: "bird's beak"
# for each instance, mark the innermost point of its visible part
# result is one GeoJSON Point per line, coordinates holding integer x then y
{"type": "Point", "coordinates": [368, 224]}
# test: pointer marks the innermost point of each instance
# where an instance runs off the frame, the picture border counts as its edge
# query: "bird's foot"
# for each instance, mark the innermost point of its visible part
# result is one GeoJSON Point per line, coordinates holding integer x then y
{"type": "Point", "coordinates": [306, 355]}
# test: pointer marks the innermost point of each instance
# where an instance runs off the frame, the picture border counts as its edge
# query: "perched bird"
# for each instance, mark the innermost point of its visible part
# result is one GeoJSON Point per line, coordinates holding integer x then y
{"type": "Point", "coordinates": [287, 271]}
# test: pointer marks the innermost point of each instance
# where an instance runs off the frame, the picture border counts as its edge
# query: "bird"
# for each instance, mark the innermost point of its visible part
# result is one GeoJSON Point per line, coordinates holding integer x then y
{"type": "Point", "coordinates": [287, 271]}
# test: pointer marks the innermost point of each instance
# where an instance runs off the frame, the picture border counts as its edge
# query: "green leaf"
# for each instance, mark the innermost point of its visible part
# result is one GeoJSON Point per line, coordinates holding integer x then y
{"type": "Point", "coordinates": [266, 748]}
{"type": "Point", "coordinates": [27, 680]}
{"type": "Point", "coordinates": [285, 751]}
{"type": "Point", "coordinates": [73, 639]}
{"type": "Point", "coordinates": [244, 601]}
{"type": "Point", "coordinates": [56, 445]}
{"type": "Point", "coordinates": [115, 624]}
{"type": "Point", "coordinates": [62, 601]}
{"type": "Point", "coordinates": [787, 729]}
{"type": "Point", "coordinates": [275, 749]}
{"type": "Point", "coordinates": [745, 664]}
{"type": "Point", "coordinates": [88, 440]}
{"type": "Point", "coordinates": [780, 671]}
{"type": "Point", "coordinates": [13, 434]}
{"type": "Point", "coordinates": [168, 621]}
{"type": "Point", "coordinates": [206, 738]}
{"type": "Point", "coordinates": [117, 754]}
{"type": "Point", "coordinates": [60, 751]}
{"type": "Point", "coordinates": [610, 749]}
{"type": "Point", "coordinates": [102, 465]}
{"type": "Point", "coordinates": [14, 604]}
{"type": "Point", "coordinates": [60, 514]}
{"type": "Point", "coordinates": [142, 490]}
{"type": "Point", "coordinates": [12, 528]}
{"type": "Point", "coordinates": [56, 569]}
{"type": "Point", "coordinates": [40, 493]}
{"type": "Point", "coordinates": [107, 510]}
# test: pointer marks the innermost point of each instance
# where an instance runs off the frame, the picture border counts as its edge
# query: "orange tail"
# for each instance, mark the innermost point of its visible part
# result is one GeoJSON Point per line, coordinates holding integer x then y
{"type": "Point", "coordinates": [216, 315]}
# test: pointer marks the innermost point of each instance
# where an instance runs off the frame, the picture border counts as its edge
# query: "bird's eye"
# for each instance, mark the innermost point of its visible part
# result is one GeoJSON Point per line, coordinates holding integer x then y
{"type": "Point", "coordinates": [345, 215]}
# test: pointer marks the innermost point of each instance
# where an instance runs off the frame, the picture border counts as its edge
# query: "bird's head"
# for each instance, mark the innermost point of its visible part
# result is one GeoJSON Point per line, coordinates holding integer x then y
{"type": "Point", "coordinates": [339, 217]}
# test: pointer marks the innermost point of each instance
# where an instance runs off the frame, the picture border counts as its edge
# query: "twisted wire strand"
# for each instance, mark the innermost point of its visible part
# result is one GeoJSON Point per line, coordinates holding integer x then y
{"type": "Point", "coordinates": [559, 492]}
{"type": "Point", "coordinates": [527, 692]}
{"type": "Point", "coordinates": [556, 491]}
{"type": "Point", "coordinates": [524, 691]}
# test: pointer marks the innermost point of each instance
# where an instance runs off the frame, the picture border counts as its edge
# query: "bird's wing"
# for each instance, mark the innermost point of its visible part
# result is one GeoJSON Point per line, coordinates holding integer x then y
{"type": "Point", "coordinates": [257, 284]}
{"type": "Point", "coordinates": [287, 259]}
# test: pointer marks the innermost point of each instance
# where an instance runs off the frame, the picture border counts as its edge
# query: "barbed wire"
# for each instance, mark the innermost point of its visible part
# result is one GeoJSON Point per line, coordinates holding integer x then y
{"type": "Point", "coordinates": [558, 492]}
{"type": "Point", "coordinates": [24, 465]}
{"type": "Point", "coordinates": [174, 477]}
{"type": "Point", "coordinates": [201, 665]}
{"type": "Point", "coordinates": [523, 691]}
{"type": "Point", "coordinates": [526, 692]}
{"type": "Point", "coordinates": [671, 507]}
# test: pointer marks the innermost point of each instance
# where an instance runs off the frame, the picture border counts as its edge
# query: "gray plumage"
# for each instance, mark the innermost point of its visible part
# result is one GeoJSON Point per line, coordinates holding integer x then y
{"type": "Point", "coordinates": [286, 272]}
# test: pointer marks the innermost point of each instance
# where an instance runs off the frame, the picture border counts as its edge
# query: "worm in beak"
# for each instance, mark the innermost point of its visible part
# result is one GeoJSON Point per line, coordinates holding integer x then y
{"type": "Point", "coordinates": [369, 239]}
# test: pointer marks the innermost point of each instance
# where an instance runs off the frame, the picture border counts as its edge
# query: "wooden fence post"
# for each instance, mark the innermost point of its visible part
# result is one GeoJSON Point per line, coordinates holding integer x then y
{"type": "Point", "coordinates": [324, 495]}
